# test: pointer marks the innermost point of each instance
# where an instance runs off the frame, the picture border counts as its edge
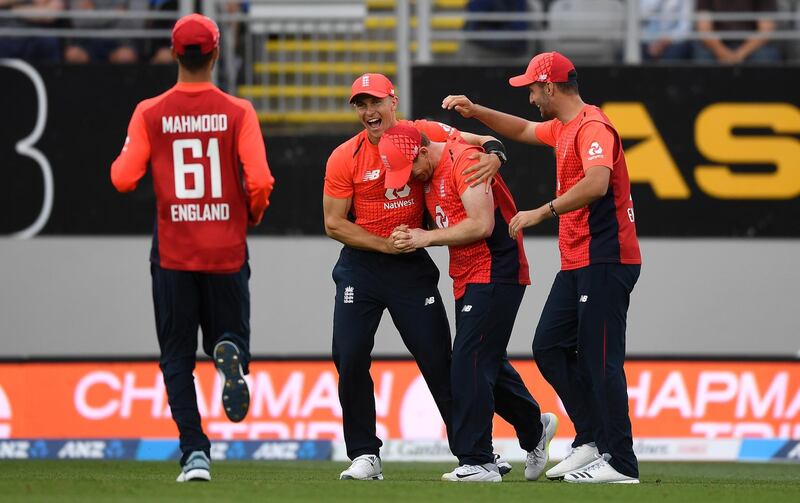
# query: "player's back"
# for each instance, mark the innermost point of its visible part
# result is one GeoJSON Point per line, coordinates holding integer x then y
{"type": "Point", "coordinates": [201, 224]}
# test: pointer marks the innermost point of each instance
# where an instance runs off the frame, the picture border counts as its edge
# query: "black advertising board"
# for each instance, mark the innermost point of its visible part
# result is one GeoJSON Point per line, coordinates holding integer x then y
{"type": "Point", "coordinates": [712, 151]}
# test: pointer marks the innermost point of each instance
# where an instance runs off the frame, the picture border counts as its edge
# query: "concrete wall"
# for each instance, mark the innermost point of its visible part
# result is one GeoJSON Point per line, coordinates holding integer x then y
{"type": "Point", "coordinates": [91, 297]}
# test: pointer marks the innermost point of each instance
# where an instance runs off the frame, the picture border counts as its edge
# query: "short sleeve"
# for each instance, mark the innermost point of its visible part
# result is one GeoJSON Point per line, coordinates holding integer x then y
{"type": "Point", "coordinates": [596, 145]}
{"type": "Point", "coordinates": [338, 175]}
{"type": "Point", "coordinates": [545, 132]}
{"type": "Point", "coordinates": [436, 131]}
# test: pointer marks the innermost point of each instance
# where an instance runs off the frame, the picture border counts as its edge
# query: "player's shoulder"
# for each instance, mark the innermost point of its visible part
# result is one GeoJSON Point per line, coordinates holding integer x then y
{"type": "Point", "coordinates": [149, 103]}
{"type": "Point", "coordinates": [240, 103]}
{"type": "Point", "coordinates": [350, 148]}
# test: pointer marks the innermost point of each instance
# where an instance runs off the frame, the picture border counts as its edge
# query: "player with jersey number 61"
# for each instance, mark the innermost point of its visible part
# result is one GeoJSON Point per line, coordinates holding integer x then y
{"type": "Point", "coordinates": [195, 138]}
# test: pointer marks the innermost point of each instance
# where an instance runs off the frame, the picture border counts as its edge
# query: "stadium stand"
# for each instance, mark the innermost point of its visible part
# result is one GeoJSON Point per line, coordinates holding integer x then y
{"type": "Point", "coordinates": [580, 29]}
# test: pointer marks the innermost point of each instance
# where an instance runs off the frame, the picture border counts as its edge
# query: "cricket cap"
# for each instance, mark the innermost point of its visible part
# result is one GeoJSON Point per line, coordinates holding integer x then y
{"type": "Point", "coordinates": [546, 67]}
{"type": "Point", "coordinates": [374, 84]}
{"type": "Point", "coordinates": [399, 147]}
{"type": "Point", "coordinates": [195, 29]}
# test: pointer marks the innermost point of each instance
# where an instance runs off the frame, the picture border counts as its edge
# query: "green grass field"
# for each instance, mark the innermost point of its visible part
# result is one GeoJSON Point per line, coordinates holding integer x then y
{"type": "Point", "coordinates": [89, 481]}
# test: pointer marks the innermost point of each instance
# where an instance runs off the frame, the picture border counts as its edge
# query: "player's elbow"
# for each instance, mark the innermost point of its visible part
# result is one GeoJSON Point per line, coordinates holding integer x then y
{"type": "Point", "coordinates": [121, 184]}
{"type": "Point", "coordinates": [600, 190]}
{"type": "Point", "coordinates": [332, 226]}
{"type": "Point", "coordinates": [119, 179]}
{"type": "Point", "coordinates": [487, 228]}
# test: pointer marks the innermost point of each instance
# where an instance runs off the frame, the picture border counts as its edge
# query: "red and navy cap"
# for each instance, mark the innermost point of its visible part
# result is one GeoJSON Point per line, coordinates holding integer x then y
{"type": "Point", "coordinates": [195, 29]}
{"type": "Point", "coordinates": [546, 67]}
{"type": "Point", "coordinates": [374, 84]}
{"type": "Point", "coordinates": [399, 147]}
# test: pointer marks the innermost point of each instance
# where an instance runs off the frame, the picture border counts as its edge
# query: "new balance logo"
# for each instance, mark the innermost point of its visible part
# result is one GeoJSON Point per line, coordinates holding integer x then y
{"type": "Point", "coordinates": [584, 298]}
{"type": "Point", "coordinates": [371, 175]}
{"type": "Point", "coordinates": [348, 295]}
{"type": "Point", "coordinates": [430, 300]}
{"type": "Point", "coordinates": [466, 308]}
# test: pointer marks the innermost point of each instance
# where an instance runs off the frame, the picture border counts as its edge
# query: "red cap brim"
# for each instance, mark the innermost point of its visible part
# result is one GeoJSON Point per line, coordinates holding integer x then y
{"type": "Point", "coordinates": [376, 94]}
{"type": "Point", "coordinates": [397, 178]}
{"type": "Point", "coordinates": [520, 81]}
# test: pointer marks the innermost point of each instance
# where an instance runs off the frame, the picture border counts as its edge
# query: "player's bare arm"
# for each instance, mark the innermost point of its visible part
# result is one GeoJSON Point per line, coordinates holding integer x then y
{"type": "Point", "coordinates": [507, 125]}
{"type": "Point", "coordinates": [479, 224]}
{"type": "Point", "coordinates": [488, 163]}
{"type": "Point", "coordinates": [340, 228]}
{"type": "Point", "coordinates": [593, 186]}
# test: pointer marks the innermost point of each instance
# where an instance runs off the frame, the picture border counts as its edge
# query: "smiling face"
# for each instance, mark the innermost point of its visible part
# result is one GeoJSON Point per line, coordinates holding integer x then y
{"type": "Point", "coordinates": [541, 97]}
{"type": "Point", "coordinates": [376, 114]}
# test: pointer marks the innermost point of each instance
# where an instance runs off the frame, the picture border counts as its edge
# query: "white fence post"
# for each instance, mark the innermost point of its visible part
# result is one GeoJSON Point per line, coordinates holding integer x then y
{"type": "Point", "coordinates": [403, 59]}
{"type": "Point", "coordinates": [424, 32]}
{"type": "Point", "coordinates": [633, 28]}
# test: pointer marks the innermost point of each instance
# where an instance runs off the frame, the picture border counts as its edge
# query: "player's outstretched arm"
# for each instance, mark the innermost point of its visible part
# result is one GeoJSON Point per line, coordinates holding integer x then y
{"type": "Point", "coordinates": [509, 126]}
{"type": "Point", "coordinates": [340, 228]}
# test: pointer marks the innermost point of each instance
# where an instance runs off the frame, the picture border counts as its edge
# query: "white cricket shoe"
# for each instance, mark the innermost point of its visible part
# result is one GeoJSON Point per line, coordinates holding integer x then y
{"type": "Point", "coordinates": [503, 466]}
{"type": "Point", "coordinates": [599, 472]}
{"type": "Point", "coordinates": [364, 467]}
{"type": "Point", "coordinates": [474, 473]}
{"type": "Point", "coordinates": [577, 458]}
{"type": "Point", "coordinates": [196, 469]}
{"type": "Point", "coordinates": [537, 458]}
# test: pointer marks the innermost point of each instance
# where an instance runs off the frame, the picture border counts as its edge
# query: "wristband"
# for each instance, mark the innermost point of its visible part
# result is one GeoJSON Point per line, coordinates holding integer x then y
{"type": "Point", "coordinates": [552, 209]}
{"type": "Point", "coordinates": [496, 147]}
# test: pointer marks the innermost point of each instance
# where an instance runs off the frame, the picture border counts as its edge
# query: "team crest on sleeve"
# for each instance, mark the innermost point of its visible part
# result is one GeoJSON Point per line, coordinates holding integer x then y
{"type": "Point", "coordinates": [595, 151]}
{"type": "Point", "coordinates": [447, 129]}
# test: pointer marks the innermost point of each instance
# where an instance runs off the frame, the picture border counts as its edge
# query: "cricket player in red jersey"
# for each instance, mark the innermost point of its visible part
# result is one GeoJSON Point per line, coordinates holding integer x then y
{"type": "Point", "coordinates": [579, 344]}
{"type": "Point", "coordinates": [211, 180]}
{"type": "Point", "coordinates": [489, 272]}
{"type": "Point", "coordinates": [372, 276]}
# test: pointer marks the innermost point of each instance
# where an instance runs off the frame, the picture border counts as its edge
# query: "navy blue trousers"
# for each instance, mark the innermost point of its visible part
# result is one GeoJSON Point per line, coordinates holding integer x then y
{"type": "Point", "coordinates": [579, 347]}
{"type": "Point", "coordinates": [367, 283]}
{"type": "Point", "coordinates": [484, 382]}
{"type": "Point", "coordinates": [184, 301]}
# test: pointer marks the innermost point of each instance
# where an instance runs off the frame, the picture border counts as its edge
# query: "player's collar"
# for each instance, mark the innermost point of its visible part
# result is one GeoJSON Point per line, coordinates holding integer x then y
{"type": "Point", "coordinates": [194, 86]}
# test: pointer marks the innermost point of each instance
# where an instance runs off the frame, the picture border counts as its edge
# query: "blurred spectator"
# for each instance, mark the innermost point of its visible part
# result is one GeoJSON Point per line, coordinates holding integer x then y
{"type": "Point", "coordinates": [160, 49]}
{"type": "Point", "coordinates": [667, 22]}
{"type": "Point", "coordinates": [34, 49]}
{"type": "Point", "coordinates": [498, 47]}
{"type": "Point", "coordinates": [113, 50]}
{"type": "Point", "coordinates": [754, 49]}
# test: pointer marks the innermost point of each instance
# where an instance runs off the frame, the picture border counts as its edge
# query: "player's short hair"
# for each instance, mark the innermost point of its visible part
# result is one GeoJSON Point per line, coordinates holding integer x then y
{"type": "Point", "coordinates": [424, 141]}
{"type": "Point", "coordinates": [193, 59]}
{"type": "Point", "coordinates": [571, 86]}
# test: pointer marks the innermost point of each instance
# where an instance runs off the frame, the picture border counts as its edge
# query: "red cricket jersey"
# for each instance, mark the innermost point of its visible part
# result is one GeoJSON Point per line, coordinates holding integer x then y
{"type": "Point", "coordinates": [604, 231]}
{"type": "Point", "coordinates": [496, 259]}
{"type": "Point", "coordinates": [210, 174]}
{"type": "Point", "coordinates": [355, 170]}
